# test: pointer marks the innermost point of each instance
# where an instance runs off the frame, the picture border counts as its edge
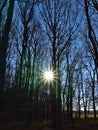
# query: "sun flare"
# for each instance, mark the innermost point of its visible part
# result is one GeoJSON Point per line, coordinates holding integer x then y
{"type": "Point", "coordinates": [48, 76]}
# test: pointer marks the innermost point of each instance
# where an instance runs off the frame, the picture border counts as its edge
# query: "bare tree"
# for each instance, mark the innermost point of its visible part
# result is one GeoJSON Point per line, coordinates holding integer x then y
{"type": "Point", "coordinates": [3, 48]}
{"type": "Point", "coordinates": [60, 28]}
{"type": "Point", "coordinates": [92, 33]}
{"type": "Point", "coordinates": [95, 4]}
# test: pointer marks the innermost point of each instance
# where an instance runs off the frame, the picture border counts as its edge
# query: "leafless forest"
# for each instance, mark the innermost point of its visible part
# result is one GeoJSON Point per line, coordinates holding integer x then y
{"type": "Point", "coordinates": [48, 64]}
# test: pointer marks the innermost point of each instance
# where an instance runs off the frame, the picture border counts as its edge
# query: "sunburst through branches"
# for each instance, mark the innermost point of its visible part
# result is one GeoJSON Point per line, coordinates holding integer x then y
{"type": "Point", "coordinates": [48, 76]}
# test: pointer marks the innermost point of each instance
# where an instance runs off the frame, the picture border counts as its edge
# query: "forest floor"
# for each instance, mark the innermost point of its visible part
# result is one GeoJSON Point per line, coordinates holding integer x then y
{"type": "Point", "coordinates": [81, 124]}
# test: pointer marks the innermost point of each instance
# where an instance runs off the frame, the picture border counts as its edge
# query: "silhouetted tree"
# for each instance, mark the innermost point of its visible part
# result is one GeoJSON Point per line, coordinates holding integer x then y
{"type": "Point", "coordinates": [3, 48]}
{"type": "Point", "coordinates": [60, 29]}
{"type": "Point", "coordinates": [92, 33]}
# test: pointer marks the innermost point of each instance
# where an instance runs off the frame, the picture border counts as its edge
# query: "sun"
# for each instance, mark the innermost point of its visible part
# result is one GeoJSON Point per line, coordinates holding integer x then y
{"type": "Point", "coordinates": [48, 76]}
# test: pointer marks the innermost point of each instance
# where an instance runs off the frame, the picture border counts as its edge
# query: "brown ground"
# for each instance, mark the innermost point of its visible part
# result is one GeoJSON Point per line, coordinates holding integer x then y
{"type": "Point", "coordinates": [82, 124]}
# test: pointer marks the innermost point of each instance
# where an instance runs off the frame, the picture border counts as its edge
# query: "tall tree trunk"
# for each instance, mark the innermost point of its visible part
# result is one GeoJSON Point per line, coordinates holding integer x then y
{"type": "Point", "coordinates": [53, 107]}
{"type": "Point", "coordinates": [85, 110]}
{"type": "Point", "coordinates": [59, 102]}
{"type": "Point", "coordinates": [3, 50]}
{"type": "Point", "coordinates": [93, 95]}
